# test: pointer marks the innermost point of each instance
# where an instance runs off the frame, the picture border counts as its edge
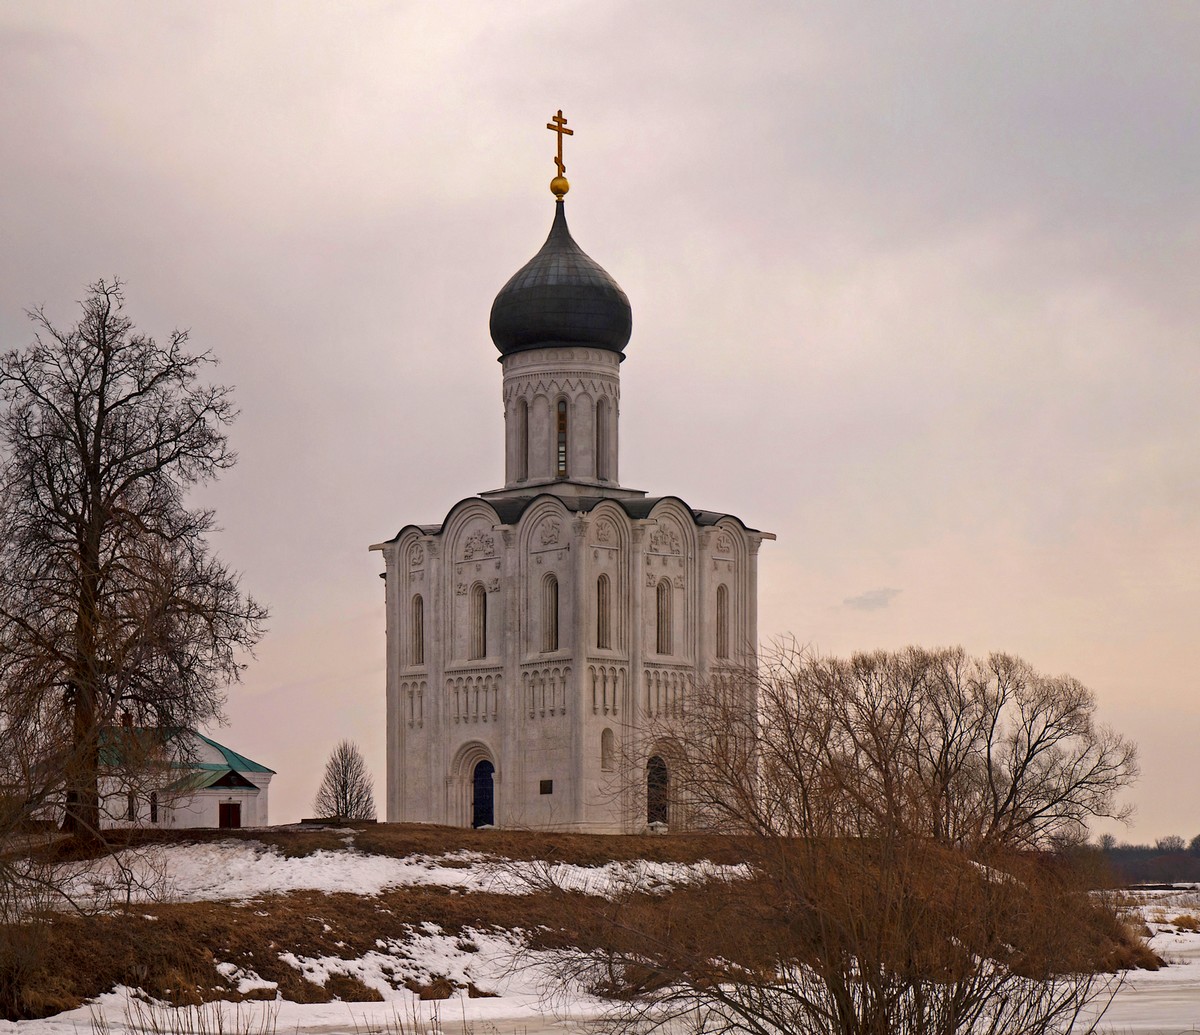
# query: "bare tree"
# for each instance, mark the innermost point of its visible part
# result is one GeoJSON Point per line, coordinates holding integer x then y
{"type": "Point", "coordinates": [111, 603]}
{"type": "Point", "coordinates": [346, 792]}
{"type": "Point", "coordinates": [906, 821]}
{"type": "Point", "coordinates": [977, 753]}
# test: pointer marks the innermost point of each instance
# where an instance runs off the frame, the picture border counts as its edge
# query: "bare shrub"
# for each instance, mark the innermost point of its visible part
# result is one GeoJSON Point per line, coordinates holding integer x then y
{"type": "Point", "coordinates": [902, 818]}
{"type": "Point", "coordinates": [346, 792]}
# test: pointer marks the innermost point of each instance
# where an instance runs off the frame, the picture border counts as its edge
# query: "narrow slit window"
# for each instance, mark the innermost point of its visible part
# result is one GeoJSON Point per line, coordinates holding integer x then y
{"type": "Point", "coordinates": [607, 750]}
{"type": "Point", "coordinates": [478, 622]}
{"type": "Point", "coordinates": [522, 440]}
{"type": "Point", "coordinates": [154, 806]}
{"type": "Point", "coordinates": [663, 601]}
{"type": "Point", "coordinates": [417, 644]}
{"type": "Point", "coordinates": [602, 440]}
{"type": "Point", "coordinates": [603, 610]}
{"type": "Point", "coordinates": [722, 622]}
{"type": "Point", "coordinates": [550, 613]}
{"type": "Point", "coordinates": [561, 439]}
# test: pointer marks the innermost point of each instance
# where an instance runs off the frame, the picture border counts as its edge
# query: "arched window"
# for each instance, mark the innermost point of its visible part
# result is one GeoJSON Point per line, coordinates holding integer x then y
{"type": "Point", "coordinates": [550, 613]}
{"type": "Point", "coordinates": [602, 440]}
{"type": "Point", "coordinates": [154, 806]}
{"type": "Point", "coordinates": [722, 622]}
{"type": "Point", "coordinates": [560, 439]}
{"type": "Point", "coordinates": [416, 646]}
{"type": "Point", "coordinates": [663, 601]}
{"type": "Point", "coordinates": [603, 609]}
{"type": "Point", "coordinates": [607, 750]}
{"type": "Point", "coordinates": [522, 440]}
{"type": "Point", "coordinates": [478, 622]}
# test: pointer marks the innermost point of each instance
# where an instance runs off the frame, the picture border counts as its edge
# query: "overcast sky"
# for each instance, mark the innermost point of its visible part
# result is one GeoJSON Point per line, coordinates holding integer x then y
{"type": "Point", "coordinates": [913, 286]}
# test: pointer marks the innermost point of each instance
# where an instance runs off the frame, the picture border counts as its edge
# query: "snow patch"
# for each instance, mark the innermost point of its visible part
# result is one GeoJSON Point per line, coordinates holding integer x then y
{"type": "Point", "coordinates": [245, 981]}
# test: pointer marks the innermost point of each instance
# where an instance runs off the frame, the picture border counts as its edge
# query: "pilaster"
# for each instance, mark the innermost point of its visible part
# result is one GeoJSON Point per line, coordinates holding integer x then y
{"type": "Point", "coordinates": [580, 642]}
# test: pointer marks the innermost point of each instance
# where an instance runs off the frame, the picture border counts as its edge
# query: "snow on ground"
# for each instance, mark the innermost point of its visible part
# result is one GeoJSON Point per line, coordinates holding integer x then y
{"type": "Point", "coordinates": [1165, 1002]}
{"type": "Point", "coordinates": [495, 963]}
{"type": "Point", "coordinates": [241, 870]}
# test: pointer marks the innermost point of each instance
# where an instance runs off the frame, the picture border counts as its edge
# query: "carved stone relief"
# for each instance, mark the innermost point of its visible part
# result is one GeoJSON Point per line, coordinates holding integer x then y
{"type": "Point", "coordinates": [551, 531]}
{"type": "Point", "coordinates": [479, 545]}
{"type": "Point", "coordinates": [664, 540]}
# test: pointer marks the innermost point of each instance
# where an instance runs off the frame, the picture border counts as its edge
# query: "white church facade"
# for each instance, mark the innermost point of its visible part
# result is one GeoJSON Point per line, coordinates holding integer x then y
{"type": "Point", "coordinates": [543, 636]}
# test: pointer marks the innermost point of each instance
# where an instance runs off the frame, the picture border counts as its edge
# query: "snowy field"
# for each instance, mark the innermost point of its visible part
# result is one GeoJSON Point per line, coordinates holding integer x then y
{"type": "Point", "coordinates": [243, 870]}
{"type": "Point", "coordinates": [1165, 1002]}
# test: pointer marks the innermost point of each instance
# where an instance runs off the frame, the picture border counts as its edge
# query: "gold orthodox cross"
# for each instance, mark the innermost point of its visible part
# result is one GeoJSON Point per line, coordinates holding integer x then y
{"type": "Point", "coordinates": [559, 125]}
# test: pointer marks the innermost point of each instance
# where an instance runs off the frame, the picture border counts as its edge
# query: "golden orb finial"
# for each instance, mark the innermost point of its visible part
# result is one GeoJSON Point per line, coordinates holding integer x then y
{"type": "Point", "coordinates": [559, 185]}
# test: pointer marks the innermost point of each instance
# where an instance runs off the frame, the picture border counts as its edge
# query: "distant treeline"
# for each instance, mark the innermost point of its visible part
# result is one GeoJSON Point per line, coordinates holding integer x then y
{"type": "Point", "coordinates": [1170, 860]}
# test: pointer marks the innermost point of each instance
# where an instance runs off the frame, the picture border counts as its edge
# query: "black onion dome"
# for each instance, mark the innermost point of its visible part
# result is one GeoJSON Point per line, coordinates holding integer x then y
{"type": "Point", "coordinates": [560, 298]}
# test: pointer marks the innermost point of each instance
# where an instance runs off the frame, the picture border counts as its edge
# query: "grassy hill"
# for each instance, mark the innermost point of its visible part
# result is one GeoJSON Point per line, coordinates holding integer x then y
{"type": "Point", "coordinates": [354, 914]}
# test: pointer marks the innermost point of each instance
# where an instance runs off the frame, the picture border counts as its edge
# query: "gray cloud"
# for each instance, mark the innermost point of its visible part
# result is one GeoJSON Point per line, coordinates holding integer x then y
{"type": "Point", "coordinates": [872, 599]}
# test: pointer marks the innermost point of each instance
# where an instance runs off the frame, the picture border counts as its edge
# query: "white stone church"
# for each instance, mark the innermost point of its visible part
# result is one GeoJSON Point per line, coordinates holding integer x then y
{"type": "Point", "coordinates": [541, 637]}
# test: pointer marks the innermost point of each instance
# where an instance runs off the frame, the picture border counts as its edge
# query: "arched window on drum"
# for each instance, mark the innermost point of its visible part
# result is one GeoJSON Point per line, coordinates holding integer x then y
{"type": "Point", "coordinates": [522, 440]}
{"type": "Point", "coordinates": [603, 447]}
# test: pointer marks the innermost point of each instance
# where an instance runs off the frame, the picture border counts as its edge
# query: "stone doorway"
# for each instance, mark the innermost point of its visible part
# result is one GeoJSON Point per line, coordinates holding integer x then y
{"type": "Point", "coordinates": [658, 790]}
{"type": "Point", "coordinates": [483, 796]}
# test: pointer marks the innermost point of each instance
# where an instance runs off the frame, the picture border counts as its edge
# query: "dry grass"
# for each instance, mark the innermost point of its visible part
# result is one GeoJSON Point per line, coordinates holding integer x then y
{"type": "Point", "coordinates": [172, 956]}
{"type": "Point", "coordinates": [402, 839]}
{"type": "Point", "coordinates": [206, 1019]}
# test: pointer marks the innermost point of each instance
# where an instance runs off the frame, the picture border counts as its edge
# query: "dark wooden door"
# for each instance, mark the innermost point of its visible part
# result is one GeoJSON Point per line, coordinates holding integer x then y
{"type": "Point", "coordinates": [658, 790]}
{"type": "Point", "coordinates": [483, 797]}
{"type": "Point", "coordinates": [229, 815]}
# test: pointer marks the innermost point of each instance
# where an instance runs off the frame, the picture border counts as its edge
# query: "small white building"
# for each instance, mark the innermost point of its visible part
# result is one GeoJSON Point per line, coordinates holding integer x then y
{"type": "Point", "coordinates": [200, 784]}
{"type": "Point", "coordinates": [543, 634]}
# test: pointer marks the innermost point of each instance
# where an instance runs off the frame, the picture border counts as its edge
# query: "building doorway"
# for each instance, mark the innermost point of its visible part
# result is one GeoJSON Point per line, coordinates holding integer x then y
{"type": "Point", "coordinates": [229, 815]}
{"type": "Point", "coordinates": [658, 790]}
{"type": "Point", "coordinates": [483, 812]}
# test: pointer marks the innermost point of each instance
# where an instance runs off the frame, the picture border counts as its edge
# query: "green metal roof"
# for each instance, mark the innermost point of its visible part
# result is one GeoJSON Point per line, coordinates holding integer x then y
{"type": "Point", "coordinates": [115, 744]}
{"type": "Point", "coordinates": [205, 778]}
{"type": "Point", "coordinates": [239, 763]}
